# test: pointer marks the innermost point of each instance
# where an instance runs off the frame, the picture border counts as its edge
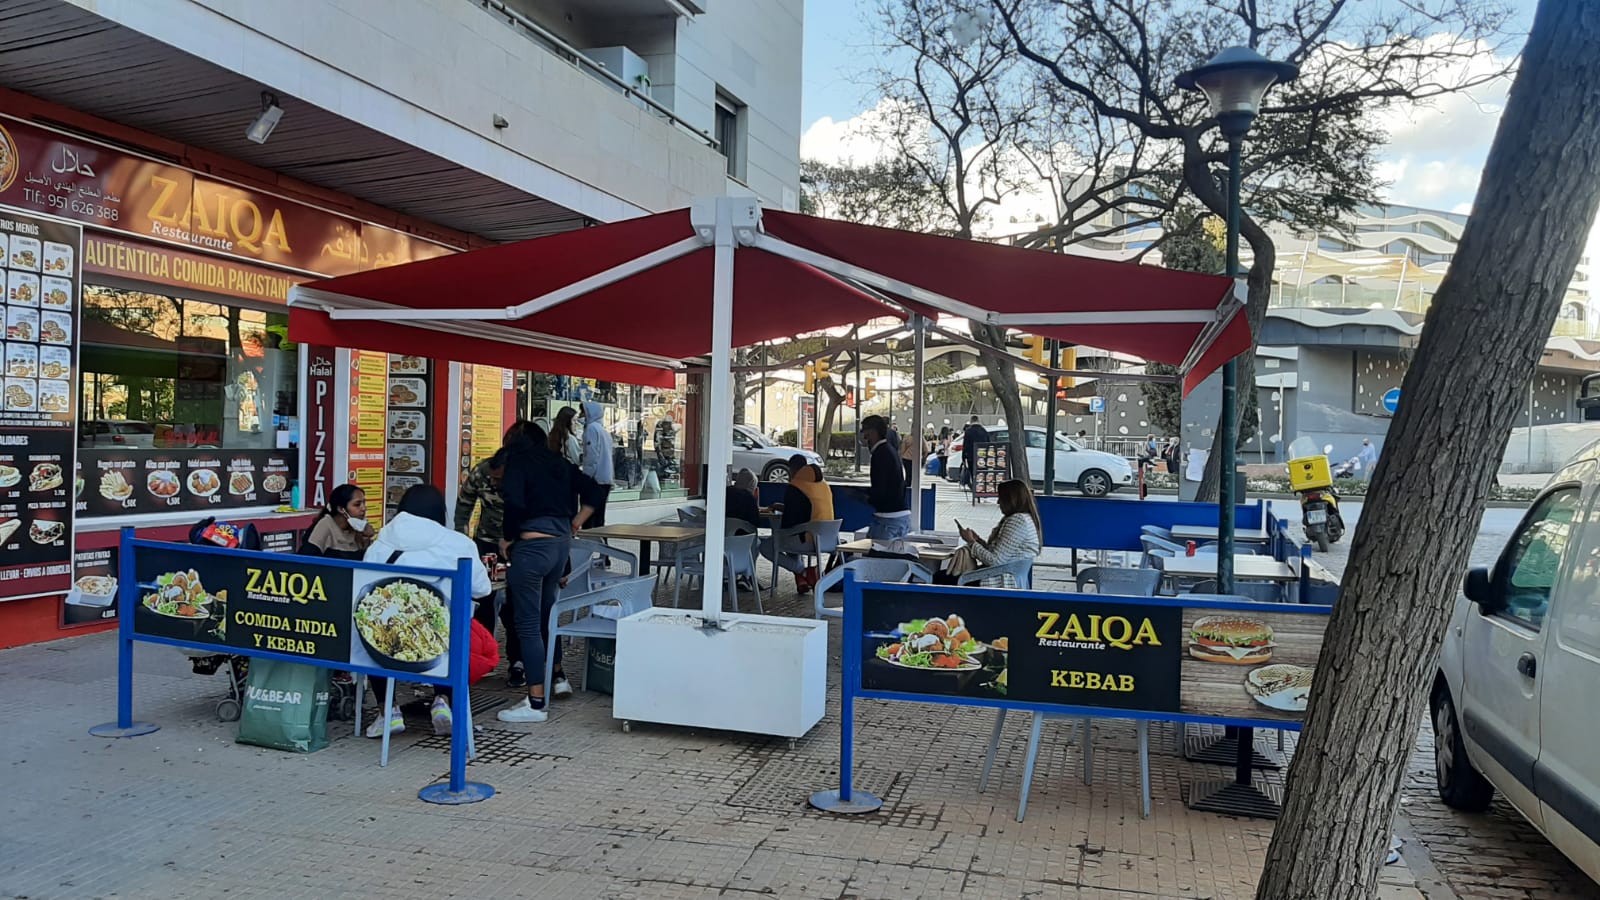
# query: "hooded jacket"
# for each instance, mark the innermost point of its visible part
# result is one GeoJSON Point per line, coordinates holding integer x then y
{"type": "Point", "coordinates": [429, 545]}
{"type": "Point", "coordinates": [596, 445]}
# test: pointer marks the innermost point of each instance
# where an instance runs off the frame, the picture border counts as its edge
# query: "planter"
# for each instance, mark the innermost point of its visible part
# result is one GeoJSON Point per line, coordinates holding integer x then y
{"type": "Point", "coordinates": [756, 674]}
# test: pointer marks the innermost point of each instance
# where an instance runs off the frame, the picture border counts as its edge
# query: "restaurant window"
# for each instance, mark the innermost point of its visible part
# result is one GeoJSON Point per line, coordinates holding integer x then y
{"type": "Point", "coordinates": [646, 425]}
{"type": "Point", "coordinates": [167, 373]}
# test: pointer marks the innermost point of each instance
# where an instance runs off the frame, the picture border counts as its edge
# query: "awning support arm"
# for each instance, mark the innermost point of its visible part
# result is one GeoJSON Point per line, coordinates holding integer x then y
{"type": "Point", "coordinates": [1232, 302]}
{"type": "Point", "coordinates": [841, 269]}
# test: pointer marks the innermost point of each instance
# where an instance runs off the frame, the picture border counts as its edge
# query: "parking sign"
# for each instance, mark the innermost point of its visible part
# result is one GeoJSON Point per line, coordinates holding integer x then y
{"type": "Point", "coordinates": [1097, 404]}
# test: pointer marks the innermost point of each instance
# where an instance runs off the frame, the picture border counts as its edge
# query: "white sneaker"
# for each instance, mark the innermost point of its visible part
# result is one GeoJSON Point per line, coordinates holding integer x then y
{"type": "Point", "coordinates": [523, 712]}
{"type": "Point", "coordinates": [397, 724]}
{"type": "Point", "coordinates": [440, 713]}
{"type": "Point", "coordinates": [560, 687]}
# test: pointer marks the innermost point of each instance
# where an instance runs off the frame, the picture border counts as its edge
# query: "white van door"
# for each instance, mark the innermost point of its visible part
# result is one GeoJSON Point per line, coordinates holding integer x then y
{"type": "Point", "coordinates": [1500, 709]}
{"type": "Point", "coordinates": [1567, 775]}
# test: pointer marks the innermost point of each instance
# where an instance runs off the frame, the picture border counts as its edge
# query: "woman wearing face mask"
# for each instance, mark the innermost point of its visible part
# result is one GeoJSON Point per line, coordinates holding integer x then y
{"type": "Point", "coordinates": [341, 530]}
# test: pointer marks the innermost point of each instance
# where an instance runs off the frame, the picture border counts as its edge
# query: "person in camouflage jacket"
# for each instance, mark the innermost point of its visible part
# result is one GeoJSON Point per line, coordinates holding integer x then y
{"type": "Point", "coordinates": [483, 487]}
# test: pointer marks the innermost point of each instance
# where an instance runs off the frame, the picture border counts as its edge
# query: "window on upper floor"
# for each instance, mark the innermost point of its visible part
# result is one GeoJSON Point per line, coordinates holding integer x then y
{"type": "Point", "coordinates": [732, 132]}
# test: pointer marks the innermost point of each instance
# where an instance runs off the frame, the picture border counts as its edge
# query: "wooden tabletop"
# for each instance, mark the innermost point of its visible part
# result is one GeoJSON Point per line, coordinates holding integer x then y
{"type": "Point", "coordinates": [667, 534]}
{"type": "Point", "coordinates": [1252, 568]}
{"type": "Point", "coordinates": [932, 552]}
{"type": "Point", "coordinates": [1209, 533]}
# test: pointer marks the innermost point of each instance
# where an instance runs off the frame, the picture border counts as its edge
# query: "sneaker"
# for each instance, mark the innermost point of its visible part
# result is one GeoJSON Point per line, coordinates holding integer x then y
{"type": "Point", "coordinates": [560, 687]}
{"type": "Point", "coordinates": [397, 724]}
{"type": "Point", "coordinates": [440, 713]}
{"type": "Point", "coordinates": [516, 676]}
{"type": "Point", "coordinates": [523, 712]}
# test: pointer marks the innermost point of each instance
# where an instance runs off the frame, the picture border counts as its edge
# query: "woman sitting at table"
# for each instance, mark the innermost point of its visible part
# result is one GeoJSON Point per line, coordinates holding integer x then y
{"type": "Point", "coordinates": [806, 499]}
{"type": "Point", "coordinates": [743, 500]}
{"type": "Point", "coordinates": [1018, 536]}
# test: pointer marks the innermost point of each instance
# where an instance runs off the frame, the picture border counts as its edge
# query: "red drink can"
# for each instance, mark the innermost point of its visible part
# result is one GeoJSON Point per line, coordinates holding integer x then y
{"type": "Point", "coordinates": [1191, 548]}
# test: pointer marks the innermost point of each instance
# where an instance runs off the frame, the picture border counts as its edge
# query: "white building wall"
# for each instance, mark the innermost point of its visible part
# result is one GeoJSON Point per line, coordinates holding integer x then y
{"type": "Point", "coordinates": [434, 73]}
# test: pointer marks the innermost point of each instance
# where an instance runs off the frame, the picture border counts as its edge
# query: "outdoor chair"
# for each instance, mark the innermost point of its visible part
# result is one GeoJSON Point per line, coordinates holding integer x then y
{"type": "Point", "coordinates": [738, 526]}
{"type": "Point", "coordinates": [1127, 582]}
{"type": "Point", "coordinates": [1156, 531]}
{"type": "Point", "coordinates": [738, 558]}
{"type": "Point", "coordinates": [619, 599]}
{"type": "Point", "coordinates": [1154, 551]}
{"type": "Point", "coordinates": [1020, 570]}
{"type": "Point", "coordinates": [1243, 591]}
{"type": "Point", "coordinates": [1141, 725]}
{"type": "Point", "coordinates": [823, 543]}
{"type": "Point", "coordinates": [691, 515]}
{"type": "Point", "coordinates": [868, 569]}
{"type": "Point", "coordinates": [584, 577]}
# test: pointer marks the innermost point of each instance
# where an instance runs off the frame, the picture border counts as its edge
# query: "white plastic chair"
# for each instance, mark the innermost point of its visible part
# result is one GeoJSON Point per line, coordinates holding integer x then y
{"type": "Point", "coordinates": [868, 569]}
{"type": "Point", "coordinates": [738, 558]}
{"type": "Point", "coordinates": [627, 597]}
{"type": "Point", "coordinates": [1021, 570]}
{"type": "Point", "coordinates": [1142, 726]}
{"type": "Point", "coordinates": [584, 577]}
{"type": "Point", "coordinates": [814, 541]}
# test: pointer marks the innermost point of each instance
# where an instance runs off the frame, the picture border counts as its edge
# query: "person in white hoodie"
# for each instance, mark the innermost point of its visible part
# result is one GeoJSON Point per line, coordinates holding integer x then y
{"type": "Point", "coordinates": [597, 454]}
{"type": "Point", "coordinates": [418, 536]}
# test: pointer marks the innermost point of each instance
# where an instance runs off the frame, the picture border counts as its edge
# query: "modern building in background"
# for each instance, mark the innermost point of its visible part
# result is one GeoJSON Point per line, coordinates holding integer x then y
{"type": "Point", "coordinates": [190, 160]}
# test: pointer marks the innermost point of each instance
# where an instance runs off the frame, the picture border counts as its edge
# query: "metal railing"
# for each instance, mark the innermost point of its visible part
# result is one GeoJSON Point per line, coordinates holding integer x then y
{"type": "Point", "coordinates": [547, 39]}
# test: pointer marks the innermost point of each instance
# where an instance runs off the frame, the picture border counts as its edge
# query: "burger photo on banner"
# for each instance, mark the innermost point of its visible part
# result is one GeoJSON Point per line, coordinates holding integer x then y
{"type": "Point", "coordinates": [1249, 665]}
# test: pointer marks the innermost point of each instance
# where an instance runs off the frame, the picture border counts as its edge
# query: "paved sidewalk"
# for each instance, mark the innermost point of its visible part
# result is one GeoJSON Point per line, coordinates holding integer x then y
{"type": "Point", "coordinates": [583, 810]}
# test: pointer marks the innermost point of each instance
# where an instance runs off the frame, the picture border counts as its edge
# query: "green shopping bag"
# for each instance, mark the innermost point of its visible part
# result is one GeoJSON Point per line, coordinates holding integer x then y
{"type": "Point", "coordinates": [285, 706]}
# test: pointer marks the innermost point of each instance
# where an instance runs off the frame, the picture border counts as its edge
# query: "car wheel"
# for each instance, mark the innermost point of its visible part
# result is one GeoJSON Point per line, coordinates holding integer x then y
{"type": "Point", "coordinates": [776, 472]}
{"type": "Point", "coordinates": [1460, 786]}
{"type": "Point", "coordinates": [1094, 483]}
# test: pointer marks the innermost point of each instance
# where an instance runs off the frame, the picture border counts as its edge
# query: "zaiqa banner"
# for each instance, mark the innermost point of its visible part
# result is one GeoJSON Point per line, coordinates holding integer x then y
{"type": "Point", "coordinates": [63, 175]}
{"type": "Point", "coordinates": [41, 259]}
{"type": "Point", "coordinates": [363, 618]}
{"type": "Point", "coordinates": [1156, 655]}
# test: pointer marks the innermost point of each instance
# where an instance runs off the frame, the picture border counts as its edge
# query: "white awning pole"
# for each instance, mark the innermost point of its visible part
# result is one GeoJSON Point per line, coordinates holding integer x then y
{"type": "Point", "coordinates": [719, 408]}
{"type": "Point", "coordinates": [919, 345]}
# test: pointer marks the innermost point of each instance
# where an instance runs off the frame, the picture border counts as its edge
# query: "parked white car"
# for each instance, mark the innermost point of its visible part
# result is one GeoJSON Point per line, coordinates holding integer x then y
{"type": "Point", "coordinates": [770, 462]}
{"type": "Point", "coordinates": [1093, 473]}
{"type": "Point", "coordinates": [1513, 702]}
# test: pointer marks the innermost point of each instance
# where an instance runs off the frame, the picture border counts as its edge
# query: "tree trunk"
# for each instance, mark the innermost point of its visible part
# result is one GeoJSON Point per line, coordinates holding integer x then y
{"type": "Point", "coordinates": [1486, 329]}
{"type": "Point", "coordinates": [1003, 378]}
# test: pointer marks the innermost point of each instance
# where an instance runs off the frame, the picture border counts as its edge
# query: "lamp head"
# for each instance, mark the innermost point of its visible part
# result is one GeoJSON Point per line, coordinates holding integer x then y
{"type": "Point", "coordinates": [271, 112]}
{"type": "Point", "coordinates": [1234, 83]}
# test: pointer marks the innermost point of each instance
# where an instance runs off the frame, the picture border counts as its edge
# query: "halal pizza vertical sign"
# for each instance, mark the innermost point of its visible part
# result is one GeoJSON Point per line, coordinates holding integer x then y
{"type": "Point", "coordinates": [37, 402]}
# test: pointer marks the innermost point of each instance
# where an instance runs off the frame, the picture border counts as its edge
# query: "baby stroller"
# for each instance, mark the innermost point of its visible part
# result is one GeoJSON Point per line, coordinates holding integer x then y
{"type": "Point", "coordinates": [211, 533]}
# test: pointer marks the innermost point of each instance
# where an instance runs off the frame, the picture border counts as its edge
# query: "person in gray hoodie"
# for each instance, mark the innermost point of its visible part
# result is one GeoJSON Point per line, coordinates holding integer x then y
{"type": "Point", "coordinates": [597, 456]}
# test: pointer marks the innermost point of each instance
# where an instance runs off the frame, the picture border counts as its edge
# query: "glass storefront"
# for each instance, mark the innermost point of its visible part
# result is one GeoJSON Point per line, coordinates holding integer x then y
{"type": "Point", "coordinates": [645, 423]}
{"type": "Point", "coordinates": [163, 372]}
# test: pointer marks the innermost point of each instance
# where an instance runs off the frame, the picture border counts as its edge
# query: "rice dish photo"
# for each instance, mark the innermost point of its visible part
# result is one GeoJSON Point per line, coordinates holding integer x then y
{"type": "Point", "coordinates": [405, 621]}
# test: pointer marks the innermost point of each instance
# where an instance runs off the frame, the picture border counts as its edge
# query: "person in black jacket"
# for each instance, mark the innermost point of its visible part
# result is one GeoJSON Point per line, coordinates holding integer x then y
{"type": "Point", "coordinates": [743, 500]}
{"type": "Point", "coordinates": [546, 499]}
{"type": "Point", "coordinates": [891, 519]}
{"type": "Point", "coordinates": [970, 439]}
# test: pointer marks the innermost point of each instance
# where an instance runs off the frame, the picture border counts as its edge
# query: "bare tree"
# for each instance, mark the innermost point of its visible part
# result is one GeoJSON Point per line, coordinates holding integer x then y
{"type": "Point", "coordinates": [1487, 325]}
{"type": "Point", "coordinates": [954, 111]}
{"type": "Point", "coordinates": [1309, 161]}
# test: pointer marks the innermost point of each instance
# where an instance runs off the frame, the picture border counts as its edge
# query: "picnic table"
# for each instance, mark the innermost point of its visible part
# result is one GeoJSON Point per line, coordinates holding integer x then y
{"type": "Point", "coordinates": [934, 553]}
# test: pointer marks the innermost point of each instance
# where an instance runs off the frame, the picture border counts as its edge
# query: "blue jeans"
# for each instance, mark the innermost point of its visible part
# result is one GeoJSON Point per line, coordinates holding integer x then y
{"type": "Point", "coordinates": [534, 584]}
{"type": "Point", "coordinates": [889, 528]}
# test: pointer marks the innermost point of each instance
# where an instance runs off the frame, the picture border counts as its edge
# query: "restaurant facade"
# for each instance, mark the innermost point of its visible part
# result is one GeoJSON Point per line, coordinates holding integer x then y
{"type": "Point", "coordinates": [150, 381]}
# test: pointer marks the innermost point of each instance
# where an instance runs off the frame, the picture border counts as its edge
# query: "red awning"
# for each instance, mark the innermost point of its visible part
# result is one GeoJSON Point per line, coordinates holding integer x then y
{"type": "Point", "coordinates": [661, 314]}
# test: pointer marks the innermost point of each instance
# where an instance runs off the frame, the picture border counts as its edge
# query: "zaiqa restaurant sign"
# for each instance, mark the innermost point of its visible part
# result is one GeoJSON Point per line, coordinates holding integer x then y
{"type": "Point", "coordinates": [72, 178]}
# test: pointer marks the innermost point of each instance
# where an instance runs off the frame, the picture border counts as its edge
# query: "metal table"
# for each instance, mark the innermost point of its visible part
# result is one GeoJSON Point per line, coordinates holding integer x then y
{"type": "Point", "coordinates": [1209, 533]}
{"type": "Point", "coordinates": [1245, 567]}
{"type": "Point", "coordinates": [934, 553]}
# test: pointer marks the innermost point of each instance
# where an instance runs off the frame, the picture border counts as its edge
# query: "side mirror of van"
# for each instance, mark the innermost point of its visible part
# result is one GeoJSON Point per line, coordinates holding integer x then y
{"type": "Point", "coordinates": [1479, 588]}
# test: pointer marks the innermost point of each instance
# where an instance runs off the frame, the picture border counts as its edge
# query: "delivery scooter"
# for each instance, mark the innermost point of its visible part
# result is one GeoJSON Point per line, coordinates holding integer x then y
{"type": "Point", "coordinates": [1312, 482]}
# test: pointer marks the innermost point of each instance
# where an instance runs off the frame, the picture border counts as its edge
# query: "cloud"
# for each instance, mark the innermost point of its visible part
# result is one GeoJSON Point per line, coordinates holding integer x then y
{"type": "Point", "coordinates": [850, 141]}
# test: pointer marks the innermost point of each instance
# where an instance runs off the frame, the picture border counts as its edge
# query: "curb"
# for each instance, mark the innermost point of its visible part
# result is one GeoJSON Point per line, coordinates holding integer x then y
{"type": "Point", "coordinates": [1428, 878]}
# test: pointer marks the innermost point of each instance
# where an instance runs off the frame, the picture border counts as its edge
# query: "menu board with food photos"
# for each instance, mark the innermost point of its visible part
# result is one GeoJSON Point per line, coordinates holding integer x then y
{"type": "Point", "coordinates": [39, 352]}
{"type": "Point", "coordinates": [369, 403]}
{"type": "Point", "coordinates": [113, 481]}
{"type": "Point", "coordinates": [992, 466]}
{"type": "Point", "coordinates": [409, 441]}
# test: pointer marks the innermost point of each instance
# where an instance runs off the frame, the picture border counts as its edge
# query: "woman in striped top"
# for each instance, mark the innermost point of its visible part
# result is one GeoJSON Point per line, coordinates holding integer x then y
{"type": "Point", "coordinates": [1018, 536]}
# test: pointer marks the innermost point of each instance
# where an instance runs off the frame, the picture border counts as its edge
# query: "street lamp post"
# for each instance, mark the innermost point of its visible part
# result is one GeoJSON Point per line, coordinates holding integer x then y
{"type": "Point", "coordinates": [1234, 83]}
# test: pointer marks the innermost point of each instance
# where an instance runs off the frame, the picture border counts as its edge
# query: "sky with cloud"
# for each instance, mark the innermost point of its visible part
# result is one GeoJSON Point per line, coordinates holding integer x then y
{"type": "Point", "coordinates": [1433, 158]}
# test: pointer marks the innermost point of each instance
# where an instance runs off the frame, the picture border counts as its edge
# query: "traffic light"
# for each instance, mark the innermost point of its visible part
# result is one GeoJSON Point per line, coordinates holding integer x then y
{"type": "Point", "coordinates": [1033, 349]}
{"type": "Point", "coordinates": [815, 372]}
{"type": "Point", "coordinates": [870, 390]}
{"type": "Point", "coordinates": [1069, 360]}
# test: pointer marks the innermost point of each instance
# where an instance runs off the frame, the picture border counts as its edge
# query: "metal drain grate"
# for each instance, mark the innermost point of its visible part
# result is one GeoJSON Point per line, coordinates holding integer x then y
{"type": "Point", "coordinates": [503, 748]}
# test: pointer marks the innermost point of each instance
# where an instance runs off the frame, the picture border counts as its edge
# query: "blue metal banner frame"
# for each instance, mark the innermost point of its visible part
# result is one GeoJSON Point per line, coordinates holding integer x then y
{"type": "Point", "coordinates": [849, 800]}
{"type": "Point", "coordinates": [457, 791]}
